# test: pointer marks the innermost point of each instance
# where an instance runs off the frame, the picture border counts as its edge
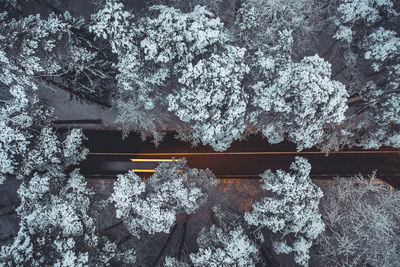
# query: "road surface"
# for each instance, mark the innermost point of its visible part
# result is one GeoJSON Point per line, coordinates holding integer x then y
{"type": "Point", "coordinates": [109, 156]}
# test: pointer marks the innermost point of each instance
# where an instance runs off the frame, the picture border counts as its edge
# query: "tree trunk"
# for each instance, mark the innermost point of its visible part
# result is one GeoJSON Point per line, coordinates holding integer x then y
{"type": "Point", "coordinates": [165, 246]}
{"type": "Point", "coordinates": [212, 217]}
{"type": "Point", "coordinates": [265, 256]}
{"type": "Point", "coordinates": [182, 240]}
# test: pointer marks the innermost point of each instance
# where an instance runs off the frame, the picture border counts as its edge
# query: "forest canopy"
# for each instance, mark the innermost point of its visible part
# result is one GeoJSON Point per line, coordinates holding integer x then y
{"type": "Point", "coordinates": [320, 74]}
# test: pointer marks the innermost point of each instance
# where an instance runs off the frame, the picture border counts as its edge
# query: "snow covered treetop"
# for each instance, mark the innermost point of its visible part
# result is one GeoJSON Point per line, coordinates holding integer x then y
{"type": "Point", "coordinates": [293, 210]}
{"type": "Point", "coordinates": [153, 204]}
{"type": "Point", "coordinates": [114, 24]}
{"type": "Point", "coordinates": [212, 98]}
{"type": "Point", "coordinates": [218, 247]}
{"type": "Point", "coordinates": [175, 35]}
{"type": "Point", "coordinates": [305, 98]}
{"type": "Point", "coordinates": [351, 13]}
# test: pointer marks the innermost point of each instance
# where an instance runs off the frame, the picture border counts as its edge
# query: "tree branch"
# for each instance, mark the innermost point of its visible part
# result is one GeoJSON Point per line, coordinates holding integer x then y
{"type": "Point", "coordinates": [78, 94]}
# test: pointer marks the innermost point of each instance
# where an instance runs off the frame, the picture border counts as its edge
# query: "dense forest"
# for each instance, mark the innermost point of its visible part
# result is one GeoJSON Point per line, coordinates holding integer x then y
{"type": "Point", "coordinates": [318, 73]}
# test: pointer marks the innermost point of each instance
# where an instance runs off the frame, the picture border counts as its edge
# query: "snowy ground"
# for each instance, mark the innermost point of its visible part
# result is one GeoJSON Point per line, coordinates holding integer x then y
{"type": "Point", "coordinates": [69, 107]}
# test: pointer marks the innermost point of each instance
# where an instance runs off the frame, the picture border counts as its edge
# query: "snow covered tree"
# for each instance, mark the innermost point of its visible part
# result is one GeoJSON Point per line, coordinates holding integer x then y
{"type": "Point", "coordinates": [352, 16]}
{"type": "Point", "coordinates": [55, 228]}
{"type": "Point", "coordinates": [212, 99]}
{"type": "Point", "coordinates": [259, 22]}
{"type": "Point", "coordinates": [352, 21]}
{"type": "Point", "coordinates": [380, 122]}
{"type": "Point", "coordinates": [300, 102]}
{"type": "Point", "coordinates": [132, 116]}
{"type": "Point", "coordinates": [152, 205]}
{"type": "Point", "coordinates": [176, 36]}
{"type": "Point", "coordinates": [292, 212]}
{"type": "Point", "coordinates": [218, 247]}
{"type": "Point", "coordinates": [380, 47]}
{"type": "Point", "coordinates": [172, 262]}
{"type": "Point", "coordinates": [381, 96]}
{"type": "Point", "coordinates": [56, 50]}
{"type": "Point", "coordinates": [27, 142]}
{"type": "Point", "coordinates": [20, 117]}
{"type": "Point", "coordinates": [218, 7]}
{"type": "Point", "coordinates": [14, 137]}
{"type": "Point", "coordinates": [37, 38]}
{"type": "Point", "coordinates": [114, 24]}
{"type": "Point", "coordinates": [136, 110]}
{"type": "Point", "coordinates": [153, 49]}
{"type": "Point", "coordinates": [225, 243]}
{"type": "Point", "coordinates": [360, 26]}
{"type": "Point", "coordinates": [209, 93]}
{"type": "Point", "coordinates": [362, 221]}
{"type": "Point", "coordinates": [55, 225]}
{"type": "Point", "coordinates": [369, 43]}
{"type": "Point", "coordinates": [169, 59]}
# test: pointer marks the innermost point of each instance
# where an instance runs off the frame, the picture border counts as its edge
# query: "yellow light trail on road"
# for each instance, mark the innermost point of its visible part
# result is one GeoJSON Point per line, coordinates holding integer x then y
{"type": "Point", "coordinates": [243, 153]}
{"type": "Point", "coordinates": [154, 160]}
{"type": "Point", "coordinates": [143, 170]}
{"type": "Point", "coordinates": [148, 170]}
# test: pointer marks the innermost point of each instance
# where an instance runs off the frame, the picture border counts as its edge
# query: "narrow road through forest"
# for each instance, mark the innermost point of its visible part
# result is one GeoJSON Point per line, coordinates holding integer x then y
{"type": "Point", "coordinates": [110, 155]}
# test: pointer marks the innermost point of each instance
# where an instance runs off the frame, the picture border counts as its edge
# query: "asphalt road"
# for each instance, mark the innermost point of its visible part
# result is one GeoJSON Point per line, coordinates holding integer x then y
{"type": "Point", "coordinates": [109, 156]}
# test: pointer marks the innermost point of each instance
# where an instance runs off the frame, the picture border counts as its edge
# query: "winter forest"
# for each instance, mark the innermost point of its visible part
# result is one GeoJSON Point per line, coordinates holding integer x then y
{"type": "Point", "coordinates": [320, 74]}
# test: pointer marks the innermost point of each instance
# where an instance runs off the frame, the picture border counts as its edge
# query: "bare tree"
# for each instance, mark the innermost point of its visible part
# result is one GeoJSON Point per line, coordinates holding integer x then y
{"type": "Point", "coordinates": [362, 218]}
